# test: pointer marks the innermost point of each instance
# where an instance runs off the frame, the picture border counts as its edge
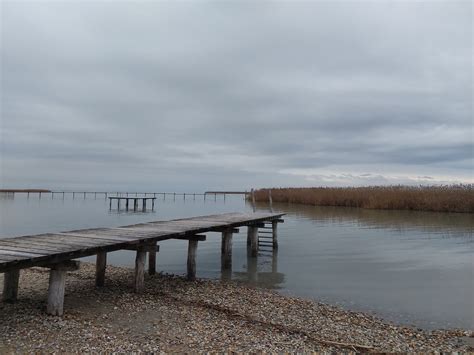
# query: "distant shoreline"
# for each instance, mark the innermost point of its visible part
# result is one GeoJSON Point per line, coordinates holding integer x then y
{"type": "Point", "coordinates": [454, 198]}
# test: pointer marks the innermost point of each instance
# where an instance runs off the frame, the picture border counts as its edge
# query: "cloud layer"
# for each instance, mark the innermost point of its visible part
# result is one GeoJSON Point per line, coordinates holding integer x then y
{"type": "Point", "coordinates": [197, 95]}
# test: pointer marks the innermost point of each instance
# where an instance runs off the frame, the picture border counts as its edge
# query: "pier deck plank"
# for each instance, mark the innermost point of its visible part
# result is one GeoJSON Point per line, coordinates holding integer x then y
{"type": "Point", "coordinates": [45, 249]}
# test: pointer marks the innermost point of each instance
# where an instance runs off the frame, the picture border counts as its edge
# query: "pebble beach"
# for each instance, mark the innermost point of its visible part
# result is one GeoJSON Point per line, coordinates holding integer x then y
{"type": "Point", "coordinates": [176, 315]}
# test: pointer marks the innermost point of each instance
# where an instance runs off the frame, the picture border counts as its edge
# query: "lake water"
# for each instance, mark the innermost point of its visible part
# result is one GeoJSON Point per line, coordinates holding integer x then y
{"type": "Point", "coordinates": [414, 268]}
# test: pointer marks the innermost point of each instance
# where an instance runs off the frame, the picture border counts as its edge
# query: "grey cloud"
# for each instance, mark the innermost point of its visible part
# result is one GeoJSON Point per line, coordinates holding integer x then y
{"type": "Point", "coordinates": [243, 90]}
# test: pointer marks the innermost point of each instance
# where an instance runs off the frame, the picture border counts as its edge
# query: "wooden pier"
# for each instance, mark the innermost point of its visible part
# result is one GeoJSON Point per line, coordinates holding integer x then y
{"type": "Point", "coordinates": [57, 250]}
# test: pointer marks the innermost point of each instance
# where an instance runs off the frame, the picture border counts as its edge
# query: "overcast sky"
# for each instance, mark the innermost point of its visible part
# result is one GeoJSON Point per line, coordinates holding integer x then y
{"type": "Point", "coordinates": [198, 95]}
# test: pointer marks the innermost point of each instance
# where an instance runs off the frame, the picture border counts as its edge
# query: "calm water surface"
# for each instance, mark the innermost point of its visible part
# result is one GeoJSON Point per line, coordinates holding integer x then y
{"type": "Point", "coordinates": [409, 267]}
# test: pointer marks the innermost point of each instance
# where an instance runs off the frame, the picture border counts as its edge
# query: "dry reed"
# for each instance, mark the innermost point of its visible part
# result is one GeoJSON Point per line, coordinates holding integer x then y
{"type": "Point", "coordinates": [452, 198]}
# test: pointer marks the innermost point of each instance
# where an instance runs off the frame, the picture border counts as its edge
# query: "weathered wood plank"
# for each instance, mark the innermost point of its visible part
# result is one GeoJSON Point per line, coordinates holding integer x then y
{"type": "Point", "coordinates": [52, 247]}
{"type": "Point", "coordinates": [20, 254]}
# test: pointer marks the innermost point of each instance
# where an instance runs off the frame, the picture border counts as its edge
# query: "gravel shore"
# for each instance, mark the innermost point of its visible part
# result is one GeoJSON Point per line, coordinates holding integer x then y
{"type": "Point", "coordinates": [175, 315]}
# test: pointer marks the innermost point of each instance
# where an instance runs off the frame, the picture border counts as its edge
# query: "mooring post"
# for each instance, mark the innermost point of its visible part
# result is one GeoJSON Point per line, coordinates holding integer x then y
{"type": "Point", "coordinates": [10, 285]}
{"type": "Point", "coordinates": [275, 234]}
{"type": "Point", "coordinates": [253, 232]}
{"type": "Point", "coordinates": [192, 248]}
{"type": "Point", "coordinates": [139, 282]}
{"type": "Point", "coordinates": [57, 283]}
{"type": "Point", "coordinates": [226, 249]}
{"type": "Point", "coordinates": [100, 266]}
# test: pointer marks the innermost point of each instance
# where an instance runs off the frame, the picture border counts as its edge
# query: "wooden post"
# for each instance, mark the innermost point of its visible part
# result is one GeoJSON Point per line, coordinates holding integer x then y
{"type": "Point", "coordinates": [152, 261]}
{"type": "Point", "coordinates": [192, 248]}
{"type": "Point", "coordinates": [126, 204]}
{"type": "Point", "coordinates": [253, 200]}
{"type": "Point", "coordinates": [253, 240]}
{"type": "Point", "coordinates": [100, 266]}
{"type": "Point", "coordinates": [270, 200]}
{"type": "Point", "coordinates": [251, 268]}
{"type": "Point", "coordinates": [110, 204]}
{"type": "Point", "coordinates": [135, 204]}
{"type": "Point", "coordinates": [144, 204]}
{"type": "Point", "coordinates": [275, 234]}
{"type": "Point", "coordinates": [226, 250]}
{"type": "Point", "coordinates": [152, 204]}
{"type": "Point", "coordinates": [10, 285]}
{"type": "Point", "coordinates": [139, 282]}
{"type": "Point", "coordinates": [57, 283]}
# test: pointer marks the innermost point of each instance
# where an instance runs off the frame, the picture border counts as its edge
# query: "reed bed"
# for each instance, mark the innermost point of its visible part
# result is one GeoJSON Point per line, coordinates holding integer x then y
{"type": "Point", "coordinates": [452, 198]}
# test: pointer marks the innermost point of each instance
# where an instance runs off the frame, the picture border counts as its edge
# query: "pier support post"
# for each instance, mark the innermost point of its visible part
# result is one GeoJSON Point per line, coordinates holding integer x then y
{"type": "Point", "coordinates": [226, 250]}
{"type": "Point", "coordinates": [192, 249]}
{"type": "Point", "coordinates": [139, 282]}
{"type": "Point", "coordinates": [251, 268]}
{"type": "Point", "coordinates": [100, 266]}
{"type": "Point", "coordinates": [253, 233]}
{"type": "Point", "coordinates": [144, 205]}
{"type": "Point", "coordinates": [10, 285]}
{"type": "Point", "coordinates": [275, 234]}
{"type": "Point", "coordinates": [57, 283]}
{"type": "Point", "coordinates": [152, 261]}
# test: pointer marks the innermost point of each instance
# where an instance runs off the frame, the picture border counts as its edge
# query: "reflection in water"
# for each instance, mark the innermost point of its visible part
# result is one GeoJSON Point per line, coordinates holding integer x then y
{"type": "Point", "coordinates": [261, 270]}
{"type": "Point", "coordinates": [7, 196]}
{"type": "Point", "coordinates": [455, 224]}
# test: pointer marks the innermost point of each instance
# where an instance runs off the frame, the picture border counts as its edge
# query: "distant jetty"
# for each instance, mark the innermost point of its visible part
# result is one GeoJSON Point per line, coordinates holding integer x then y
{"type": "Point", "coordinates": [23, 190]}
